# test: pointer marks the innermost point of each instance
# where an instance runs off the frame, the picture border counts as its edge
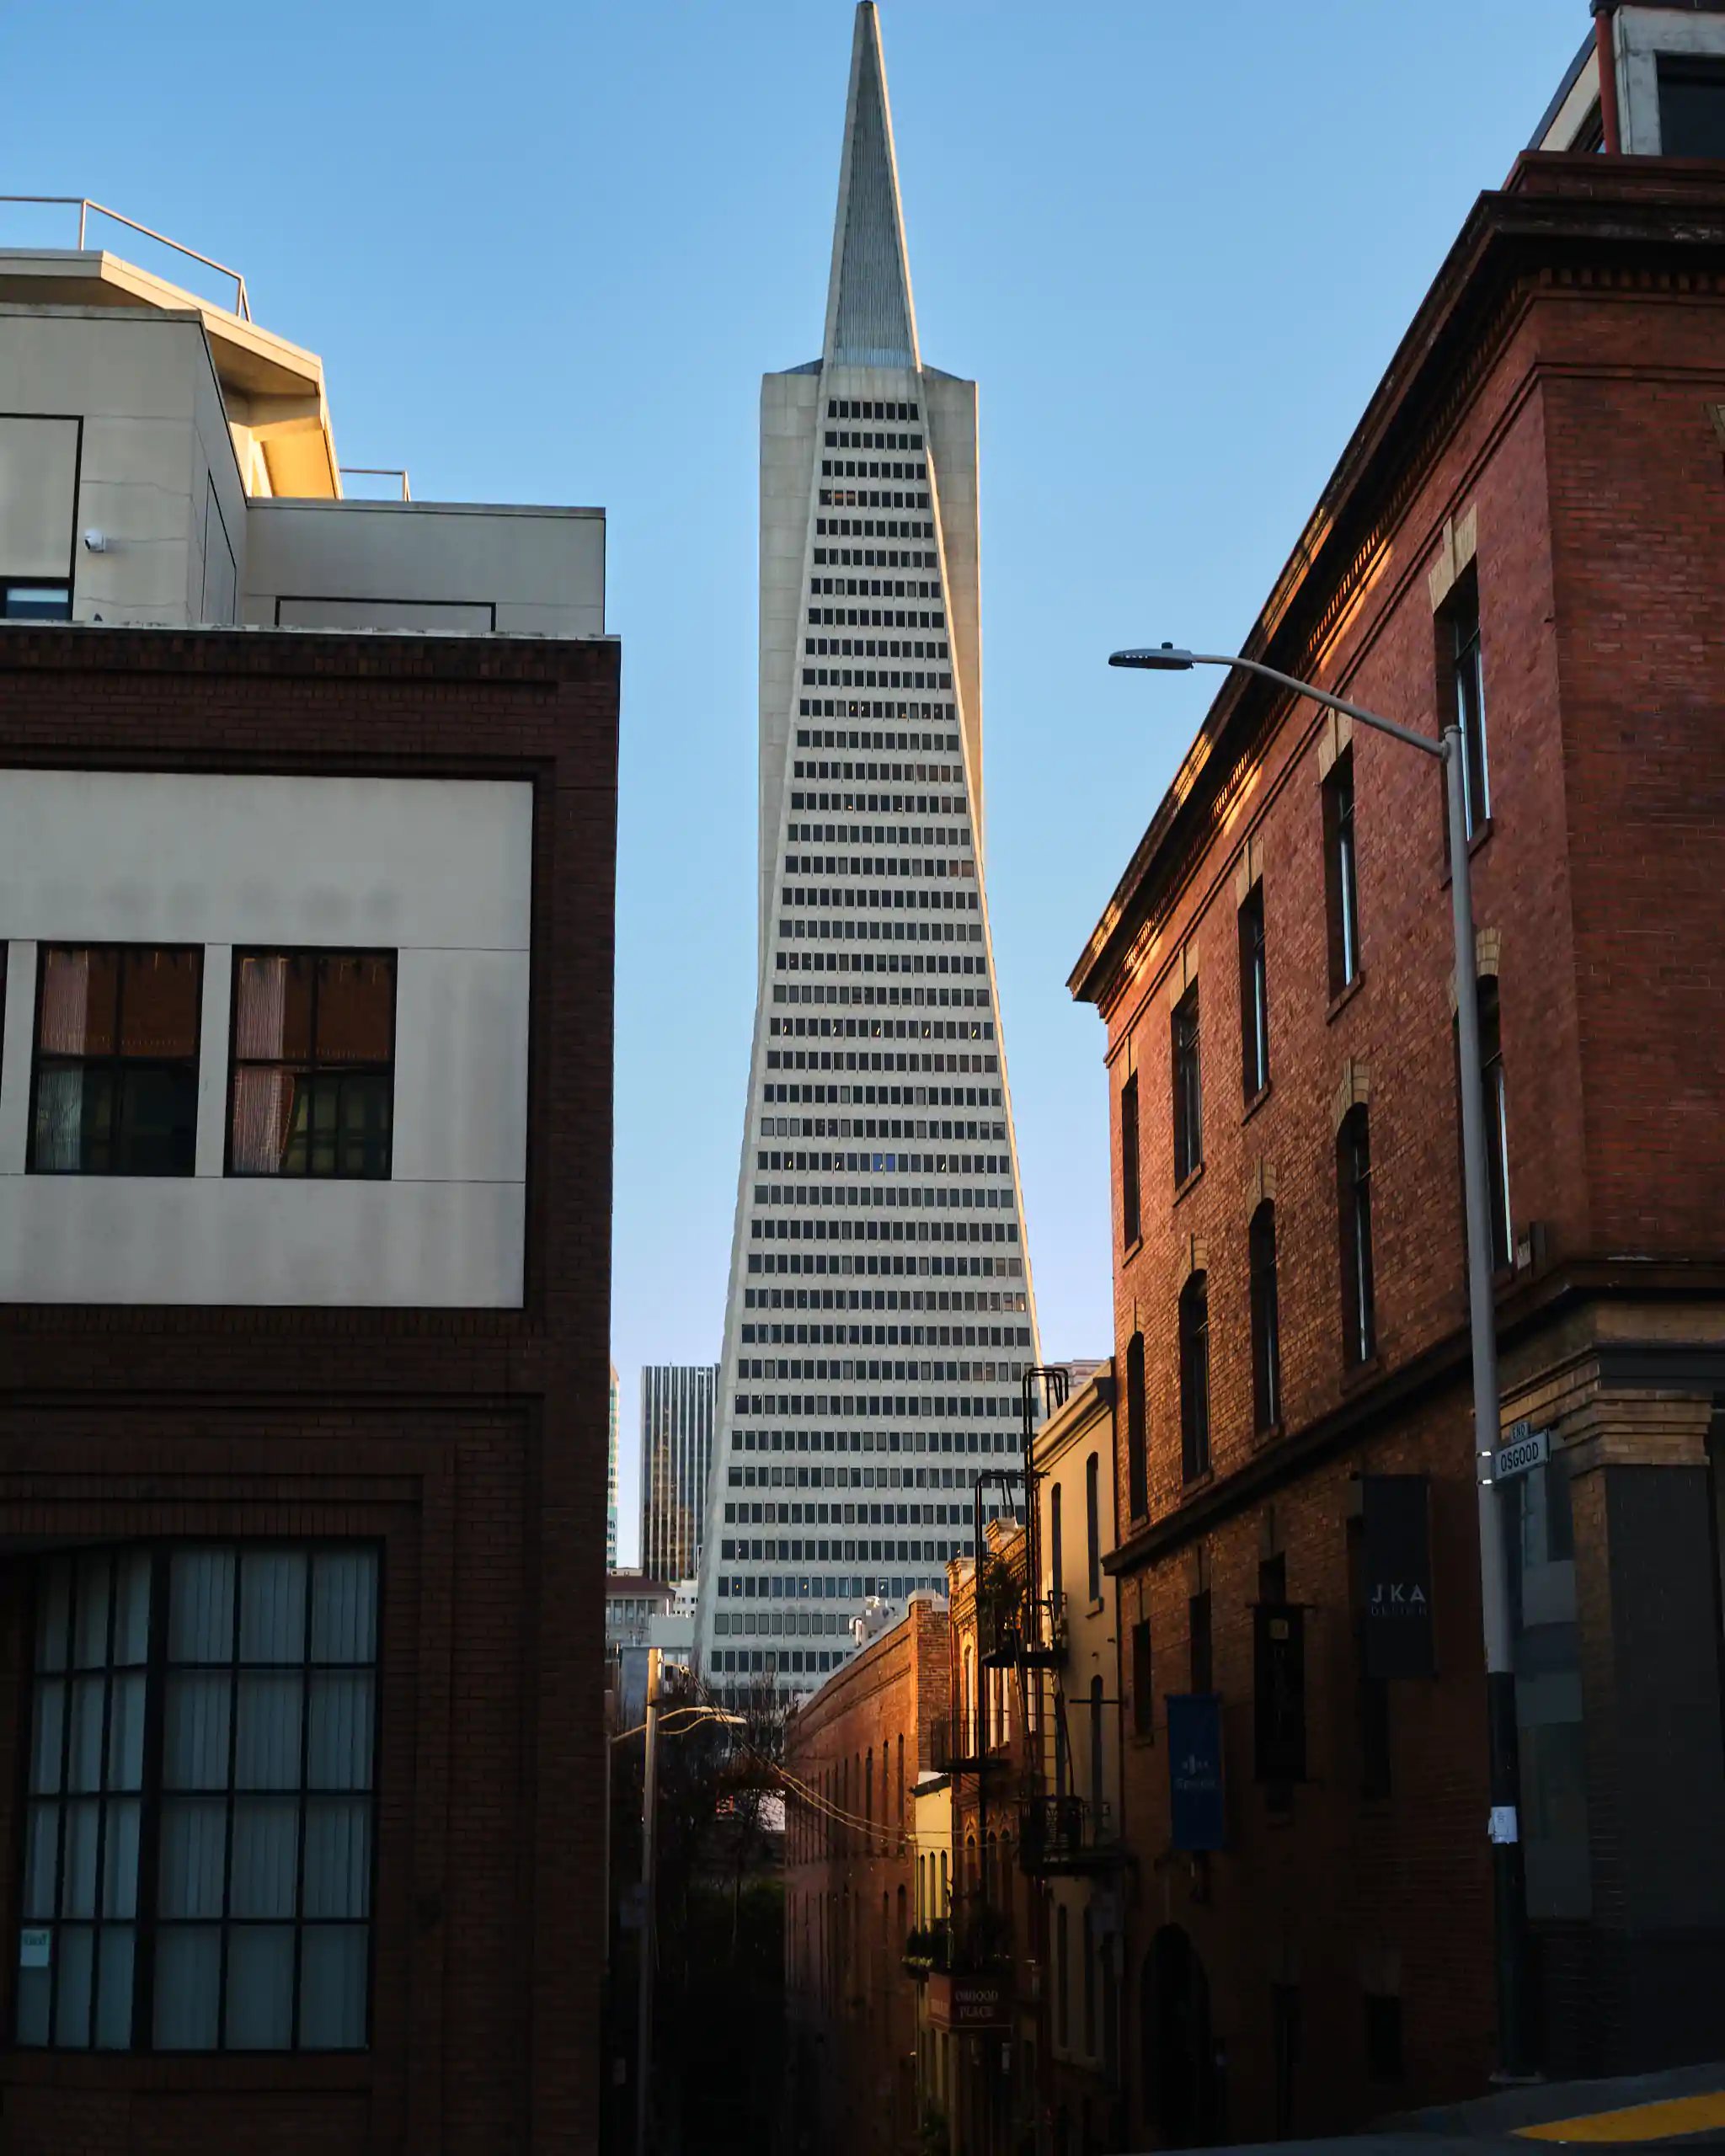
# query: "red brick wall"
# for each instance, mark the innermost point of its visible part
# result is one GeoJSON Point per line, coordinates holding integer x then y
{"type": "Point", "coordinates": [472, 1443]}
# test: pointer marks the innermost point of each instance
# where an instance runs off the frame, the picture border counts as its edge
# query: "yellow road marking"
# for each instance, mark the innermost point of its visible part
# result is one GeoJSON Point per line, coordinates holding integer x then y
{"type": "Point", "coordinates": [1657, 2121]}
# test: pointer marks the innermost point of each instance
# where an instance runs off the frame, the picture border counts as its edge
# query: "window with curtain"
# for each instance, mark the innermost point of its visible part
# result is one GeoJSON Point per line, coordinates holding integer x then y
{"type": "Point", "coordinates": [1131, 1223]}
{"type": "Point", "coordinates": [313, 1063]}
{"type": "Point", "coordinates": [1341, 874]}
{"type": "Point", "coordinates": [1266, 1321]}
{"type": "Point", "coordinates": [115, 1091]}
{"type": "Point", "coordinates": [1092, 1528]}
{"type": "Point", "coordinates": [199, 1842]}
{"type": "Point", "coordinates": [1137, 1457]}
{"type": "Point", "coordinates": [1188, 1089]}
{"type": "Point", "coordinates": [1194, 1377]}
{"type": "Point", "coordinates": [1359, 1334]}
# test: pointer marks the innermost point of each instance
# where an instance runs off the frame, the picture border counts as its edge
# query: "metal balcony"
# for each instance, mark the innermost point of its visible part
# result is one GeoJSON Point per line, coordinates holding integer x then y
{"type": "Point", "coordinates": [1066, 1834]}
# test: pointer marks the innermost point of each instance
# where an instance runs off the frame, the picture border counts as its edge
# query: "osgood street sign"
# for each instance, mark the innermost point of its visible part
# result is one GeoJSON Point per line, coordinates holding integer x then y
{"type": "Point", "coordinates": [1527, 1448]}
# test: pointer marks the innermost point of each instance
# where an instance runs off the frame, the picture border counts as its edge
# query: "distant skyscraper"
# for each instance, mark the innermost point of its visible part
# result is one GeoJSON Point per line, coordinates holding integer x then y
{"type": "Point", "coordinates": [880, 1311]}
{"type": "Point", "coordinates": [676, 1456]}
{"type": "Point", "coordinates": [611, 1483]}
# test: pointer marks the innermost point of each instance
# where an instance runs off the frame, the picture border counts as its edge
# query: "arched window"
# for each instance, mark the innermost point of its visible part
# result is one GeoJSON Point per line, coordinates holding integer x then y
{"type": "Point", "coordinates": [1266, 1321]}
{"type": "Point", "coordinates": [1137, 1462]}
{"type": "Point", "coordinates": [1194, 1377]}
{"type": "Point", "coordinates": [1093, 1529]}
{"type": "Point", "coordinates": [1360, 1329]}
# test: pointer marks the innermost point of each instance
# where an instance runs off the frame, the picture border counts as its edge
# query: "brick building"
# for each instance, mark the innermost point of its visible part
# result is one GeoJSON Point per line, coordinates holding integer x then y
{"type": "Point", "coordinates": [305, 1158]}
{"type": "Point", "coordinates": [860, 1746]}
{"type": "Point", "coordinates": [1527, 528]}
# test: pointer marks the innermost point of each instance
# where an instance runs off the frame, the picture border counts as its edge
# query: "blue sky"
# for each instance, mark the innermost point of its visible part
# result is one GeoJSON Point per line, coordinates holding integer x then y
{"type": "Point", "coordinates": [547, 248]}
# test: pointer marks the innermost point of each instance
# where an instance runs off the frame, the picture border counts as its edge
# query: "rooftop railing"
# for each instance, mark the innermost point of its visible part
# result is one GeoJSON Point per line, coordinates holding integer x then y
{"type": "Point", "coordinates": [85, 205]}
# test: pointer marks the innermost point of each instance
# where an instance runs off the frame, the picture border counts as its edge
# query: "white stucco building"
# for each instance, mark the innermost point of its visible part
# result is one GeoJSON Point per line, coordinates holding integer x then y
{"type": "Point", "coordinates": [880, 1309]}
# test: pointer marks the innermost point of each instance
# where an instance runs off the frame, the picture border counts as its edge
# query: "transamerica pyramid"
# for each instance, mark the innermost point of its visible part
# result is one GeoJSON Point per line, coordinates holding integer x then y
{"type": "Point", "coordinates": [880, 1312]}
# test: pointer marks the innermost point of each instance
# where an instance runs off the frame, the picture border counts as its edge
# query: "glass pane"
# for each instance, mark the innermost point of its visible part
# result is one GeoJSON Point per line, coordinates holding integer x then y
{"type": "Point", "coordinates": [58, 1138]}
{"type": "Point", "coordinates": [195, 1732]}
{"type": "Point", "coordinates": [263, 1115]}
{"type": "Point", "coordinates": [125, 1731]}
{"type": "Point", "coordinates": [132, 1610]}
{"type": "Point", "coordinates": [344, 1606]}
{"type": "Point", "coordinates": [338, 1858]}
{"type": "Point", "coordinates": [265, 1858]}
{"type": "Point", "coordinates": [78, 1001]}
{"type": "Point", "coordinates": [158, 1121]}
{"type": "Point", "coordinates": [194, 1845]}
{"type": "Point", "coordinates": [267, 1755]}
{"type": "Point", "coordinates": [41, 1858]}
{"type": "Point", "coordinates": [114, 1989]}
{"type": "Point", "coordinates": [187, 1987]}
{"type": "Point", "coordinates": [340, 1751]}
{"type": "Point", "coordinates": [90, 1633]}
{"type": "Point", "coordinates": [333, 1987]}
{"type": "Point", "coordinates": [35, 1989]}
{"type": "Point", "coordinates": [47, 1713]}
{"type": "Point", "coordinates": [272, 1606]}
{"type": "Point", "coordinates": [260, 1007]}
{"type": "Point", "coordinates": [73, 1959]}
{"type": "Point", "coordinates": [355, 1008]}
{"type": "Point", "coordinates": [260, 1987]}
{"type": "Point", "coordinates": [83, 1753]}
{"type": "Point", "coordinates": [201, 1606]}
{"type": "Point", "coordinates": [77, 1866]}
{"type": "Point", "coordinates": [159, 1008]}
{"type": "Point", "coordinates": [120, 1859]}
{"type": "Point", "coordinates": [54, 1614]}
{"type": "Point", "coordinates": [364, 1117]}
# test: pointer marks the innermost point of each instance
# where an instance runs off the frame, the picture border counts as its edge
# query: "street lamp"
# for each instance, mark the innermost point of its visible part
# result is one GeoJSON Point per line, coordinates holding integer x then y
{"type": "Point", "coordinates": [1502, 1764]}
{"type": "Point", "coordinates": [688, 1717]}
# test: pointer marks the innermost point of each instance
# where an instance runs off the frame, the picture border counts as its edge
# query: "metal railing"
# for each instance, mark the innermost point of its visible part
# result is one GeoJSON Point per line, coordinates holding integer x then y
{"type": "Point", "coordinates": [84, 205]}
{"type": "Point", "coordinates": [1057, 1831]}
{"type": "Point", "coordinates": [379, 472]}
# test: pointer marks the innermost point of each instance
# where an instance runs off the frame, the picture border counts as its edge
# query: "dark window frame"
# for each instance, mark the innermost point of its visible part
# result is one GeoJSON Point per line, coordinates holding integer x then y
{"type": "Point", "coordinates": [1131, 1199]}
{"type": "Point", "coordinates": [1464, 694]}
{"type": "Point", "coordinates": [1200, 1641]}
{"type": "Point", "coordinates": [1360, 1329]}
{"type": "Point", "coordinates": [1185, 1039]}
{"type": "Point", "coordinates": [1137, 1430]}
{"type": "Point", "coordinates": [147, 1924]}
{"type": "Point", "coordinates": [1195, 1432]}
{"type": "Point", "coordinates": [1254, 997]}
{"type": "Point", "coordinates": [308, 1065]}
{"type": "Point", "coordinates": [116, 1061]}
{"type": "Point", "coordinates": [1143, 1680]}
{"type": "Point", "coordinates": [1266, 1319]}
{"type": "Point", "coordinates": [1092, 1528]}
{"type": "Point", "coordinates": [1342, 873]}
{"type": "Point", "coordinates": [12, 587]}
{"type": "Point", "coordinates": [1384, 2058]}
{"type": "Point", "coordinates": [1685, 71]}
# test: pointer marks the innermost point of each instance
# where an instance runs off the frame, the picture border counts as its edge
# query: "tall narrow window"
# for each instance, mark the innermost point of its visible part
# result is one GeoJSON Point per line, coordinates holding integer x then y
{"type": "Point", "coordinates": [1093, 1529]}
{"type": "Point", "coordinates": [313, 1063]}
{"type": "Point", "coordinates": [1341, 873]}
{"type": "Point", "coordinates": [1194, 1377]}
{"type": "Point", "coordinates": [1063, 1979]}
{"type": "Point", "coordinates": [1089, 1983]}
{"type": "Point", "coordinates": [1099, 1783]}
{"type": "Point", "coordinates": [1131, 1223]}
{"type": "Point", "coordinates": [115, 1087]}
{"type": "Point", "coordinates": [1137, 1452]}
{"type": "Point", "coordinates": [1056, 1554]}
{"type": "Point", "coordinates": [1360, 1335]}
{"type": "Point", "coordinates": [1143, 1681]}
{"type": "Point", "coordinates": [1188, 1094]}
{"type": "Point", "coordinates": [1197, 1620]}
{"type": "Point", "coordinates": [1254, 997]}
{"type": "Point", "coordinates": [1462, 619]}
{"type": "Point", "coordinates": [209, 1888]}
{"type": "Point", "coordinates": [1266, 1321]}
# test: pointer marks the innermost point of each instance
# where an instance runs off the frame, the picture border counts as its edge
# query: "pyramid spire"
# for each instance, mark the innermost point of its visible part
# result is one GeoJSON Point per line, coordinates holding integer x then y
{"type": "Point", "coordinates": [870, 320]}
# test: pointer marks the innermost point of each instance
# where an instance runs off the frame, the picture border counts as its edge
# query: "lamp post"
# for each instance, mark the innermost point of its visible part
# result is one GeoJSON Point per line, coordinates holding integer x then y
{"type": "Point", "coordinates": [1513, 2059]}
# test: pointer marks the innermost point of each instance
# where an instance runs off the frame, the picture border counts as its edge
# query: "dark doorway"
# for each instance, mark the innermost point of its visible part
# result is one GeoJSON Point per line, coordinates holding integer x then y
{"type": "Point", "coordinates": [1178, 2079]}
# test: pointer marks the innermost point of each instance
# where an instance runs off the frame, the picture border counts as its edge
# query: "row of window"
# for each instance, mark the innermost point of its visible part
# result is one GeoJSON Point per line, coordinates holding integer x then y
{"type": "Point", "coordinates": [873, 558]}
{"type": "Point", "coordinates": [869, 773]}
{"type": "Point", "coordinates": [865, 407]}
{"type": "Point", "coordinates": [849, 467]}
{"type": "Point", "coordinates": [863, 1369]}
{"type": "Point", "coordinates": [885, 1298]}
{"type": "Point", "coordinates": [847, 897]}
{"type": "Point", "coordinates": [113, 1084]}
{"type": "Point", "coordinates": [846, 439]}
{"type": "Point", "coordinates": [870, 648]}
{"type": "Point", "coordinates": [880, 587]}
{"type": "Point", "coordinates": [786, 1475]}
{"type": "Point", "coordinates": [963, 999]}
{"type": "Point", "coordinates": [916, 1513]}
{"type": "Point", "coordinates": [794, 1407]}
{"type": "Point", "coordinates": [878, 617]}
{"type": "Point", "coordinates": [847, 677]}
{"type": "Point", "coordinates": [885, 1164]}
{"type": "Point", "coordinates": [845, 1126]}
{"type": "Point", "coordinates": [885, 1335]}
{"type": "Point", "coordinates": [744, 1661]}
{"type": "Point", "coordinates": [885, 961]}
{"type": "Point", "coordinates": [840, 737]}
{"type": "Point", "coordinates": [882, 1029]}
{"type": "Point", "coordinates": [886, 866]}
{"type": "Point", "coordinates": [823, 1587]}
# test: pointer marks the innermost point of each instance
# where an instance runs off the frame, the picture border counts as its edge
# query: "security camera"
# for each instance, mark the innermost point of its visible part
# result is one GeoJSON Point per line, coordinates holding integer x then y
{"type": "Point", "coordinates": [95, 542]}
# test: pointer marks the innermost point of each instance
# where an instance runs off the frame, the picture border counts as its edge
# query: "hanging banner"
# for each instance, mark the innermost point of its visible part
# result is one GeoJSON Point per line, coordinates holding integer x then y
{"type": "Point", "coordinates": [1398, 1576]}
{"type": "Point", "coordinates": [1195, 1769]}
{"type": "Point", "coordinates": [1278, 1691]}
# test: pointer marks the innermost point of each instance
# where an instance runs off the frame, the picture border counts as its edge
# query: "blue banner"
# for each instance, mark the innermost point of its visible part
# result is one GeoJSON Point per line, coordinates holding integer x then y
{"type": "Point", "coordinates": [1195, 1769]}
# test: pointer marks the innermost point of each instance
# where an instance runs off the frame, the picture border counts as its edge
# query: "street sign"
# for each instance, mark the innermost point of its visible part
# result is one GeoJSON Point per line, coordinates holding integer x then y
{"type": "Point", "coordinates": [1527, 1448]}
